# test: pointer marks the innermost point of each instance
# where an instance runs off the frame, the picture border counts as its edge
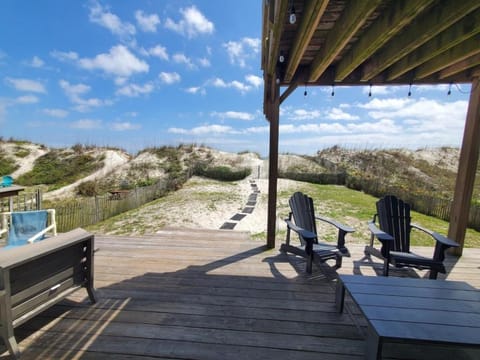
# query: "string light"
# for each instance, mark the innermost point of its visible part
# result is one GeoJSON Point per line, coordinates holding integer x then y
{"type": "Point", "coordinates": [449, 89]}
{"type": "Point", "coordinates": [370, 91]}
{"type": "Point", "coordinates": [410, 90]}
{"type": "Point", "coordinates": [333, 90]}
{"type": "Point", "coordinates": [293, 17]}
{"type": "Point", "coordinates": [305, 92]}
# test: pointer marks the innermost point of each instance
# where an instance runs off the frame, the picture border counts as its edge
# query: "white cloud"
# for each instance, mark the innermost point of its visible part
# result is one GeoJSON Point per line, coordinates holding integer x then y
{"type": "Point", "coordinates": [64, 55]}
{"type": "Point", "coordinates": [58, 113]}
{"type": "Point", "coordinates": [157, 51]}
{"type": "Point", "coordinates": [387, 104]}
{"type": "Point", "coordinates": [36, 62]}
{"type": "Point", "coordinates": [75, 92]}
{"type": "Point", "coordinates": [204, 62]}
{"type": "Point", "coordinates": [196, 90]}
{"type": "Point", "coordinates": [118, 61]}
{"type": "Point", "coordinates": [384, 126]}
{"type": "Point", "coordinates": [124, 126]}
{"type": "Point", "coordinates": [26, 85]}
{"type": "Point", "coordinates": [241, 51]}
{"type": "Point", "coordinates": [192, 23]}
{"type": "Point", "coordinates": [147, 23]}
{"type": "Point", "coordinates": [134, 90]}
{"type": "Point", "coordinates": [233, 115]}
{"type": "Point", "coordinates": [169, 78]}
{"type": "Point", "coordinates": [101, 16]}
{"type": "Point", "coordinates": [183, 59]}
{"type": "Point", "coordinates": [302, 114]}
{"type": "Point", "coordinates": [86, 124]}
{"type": "Point", "coordinates": [220, 83]}
{"type": "Point", "coordinates": [256, 81]}
{"type": "Point", "coordinates": [426, 114]}
{"type": "Point", "coordinates": [204, 130]}
{"type": "Point", "coordinates": [27, 99]}
{"type": "Point", "coordinates": [339, 114]}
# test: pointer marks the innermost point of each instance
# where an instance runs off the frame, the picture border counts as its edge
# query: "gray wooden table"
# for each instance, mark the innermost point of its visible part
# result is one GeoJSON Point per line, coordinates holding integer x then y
{"type": "Point", "coordinates": [414, 310]}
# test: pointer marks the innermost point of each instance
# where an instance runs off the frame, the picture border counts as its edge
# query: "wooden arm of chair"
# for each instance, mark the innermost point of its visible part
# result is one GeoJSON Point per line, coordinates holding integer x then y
{"type": "Point", "coordinates": [379, 234]}
{"type": "Point", "coordinates": [342, 231]}
{"type": "Point", "coordinates": [346, 229]}
{"type": "Point", "coordinates": [438, 237]}
{"type": "Point", "coordinates": [383, 237]}
{"type": "Point", "coordinates": [306, 235]}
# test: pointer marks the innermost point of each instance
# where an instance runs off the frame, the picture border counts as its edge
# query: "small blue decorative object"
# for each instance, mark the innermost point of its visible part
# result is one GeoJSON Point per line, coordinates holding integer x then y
{"type": "Point", "coordinates": [7, 180]}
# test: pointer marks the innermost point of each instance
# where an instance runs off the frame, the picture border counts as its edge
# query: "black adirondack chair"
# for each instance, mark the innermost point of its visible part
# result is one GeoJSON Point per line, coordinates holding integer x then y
{"type": "Point", "coordinates": [302, 220]}
{"type": "Point", "coordinates": [393, 232]}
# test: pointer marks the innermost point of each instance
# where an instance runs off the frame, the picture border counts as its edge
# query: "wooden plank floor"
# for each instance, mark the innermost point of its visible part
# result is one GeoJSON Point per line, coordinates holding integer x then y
{"type": "Point", "coordinates": [206, 295]}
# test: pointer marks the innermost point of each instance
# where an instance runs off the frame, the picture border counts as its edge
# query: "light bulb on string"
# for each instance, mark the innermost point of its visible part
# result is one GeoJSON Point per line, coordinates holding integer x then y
{"type": "Point", "coordinates": [449, 89]}
{"type": "Point", "coordinates": [410, 90]}
{"type": "Point", "coordinates": [293, 17]}
{"type": "Point", "coordinates": [370, 91]}
{"type": "Point", "coordinates": [333, 90]}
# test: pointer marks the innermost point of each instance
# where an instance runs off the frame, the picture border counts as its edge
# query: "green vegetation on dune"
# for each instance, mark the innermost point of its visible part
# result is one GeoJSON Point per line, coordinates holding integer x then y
{"type": "Point", "coordinates": [56, 170]}
{"type": "Point", "coordinates": [7, 165]}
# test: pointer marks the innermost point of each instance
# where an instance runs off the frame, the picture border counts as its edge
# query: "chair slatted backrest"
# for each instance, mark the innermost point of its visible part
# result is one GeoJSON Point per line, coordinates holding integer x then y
{"type": "Point", "coordinates": [394, 219]}
{"type": "Point", "coordinates": [25, 224]}
{"type": "Point", "coordinates": [303, 212]}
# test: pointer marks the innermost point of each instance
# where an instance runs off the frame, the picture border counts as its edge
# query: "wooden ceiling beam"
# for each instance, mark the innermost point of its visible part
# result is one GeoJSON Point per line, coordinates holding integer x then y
{"type": "Point", "coordinates": [468, 63]}
{"type": "Point", "coordinates": [400, 14]}
{"type": "Point", "coordinates": [280, 10]}
{"type": "Point", "coordinates": [447, 39]}
{"type": "Point", "coordinates": [421, 30]}
{"type": "Point", "coordinates": [311, 16]}
{"type": "Point", "coordinates": [344, 29]}
{"type": "Point", "coordinates": [458, 53]}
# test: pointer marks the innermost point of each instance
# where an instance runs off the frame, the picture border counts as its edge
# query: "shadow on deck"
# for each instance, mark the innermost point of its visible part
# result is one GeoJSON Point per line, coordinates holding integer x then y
{"type": "Point", "coordinates": [202, 295]}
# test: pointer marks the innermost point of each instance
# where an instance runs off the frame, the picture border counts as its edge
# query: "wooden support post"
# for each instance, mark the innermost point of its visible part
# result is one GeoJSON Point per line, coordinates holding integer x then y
{"type": "Point", "coordinates": [467, 166]}
{"type": "Point", "coordinates": [274, 119]}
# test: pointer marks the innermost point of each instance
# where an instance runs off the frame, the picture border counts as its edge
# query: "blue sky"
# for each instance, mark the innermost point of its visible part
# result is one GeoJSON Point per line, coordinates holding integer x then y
{"type": "Point", "coordinates": [135, 74]}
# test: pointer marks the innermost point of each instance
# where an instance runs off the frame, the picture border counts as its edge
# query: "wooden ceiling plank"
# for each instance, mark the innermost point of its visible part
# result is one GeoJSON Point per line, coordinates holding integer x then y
{"type": "Point", "coordinates": [275, 33]}
{"type": "Point", "coordinates": [311, 16]}
{"type": "Point", "coordinates": [468, 63]}
{"type": "Point", "coordinates": [462, 51]}
{"type": "Point", "coordinates": [447, 39]}
{"type": "Point", "coordinates": [344, 29]}
{"type": "Point", "coordinates": [400, 14]}
{"type": "Point", "coordinates": [421, 30]}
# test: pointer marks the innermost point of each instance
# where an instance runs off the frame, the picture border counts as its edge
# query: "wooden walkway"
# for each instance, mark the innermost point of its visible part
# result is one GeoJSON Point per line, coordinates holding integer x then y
{"type": "Point", "coordinates": [208, 295]}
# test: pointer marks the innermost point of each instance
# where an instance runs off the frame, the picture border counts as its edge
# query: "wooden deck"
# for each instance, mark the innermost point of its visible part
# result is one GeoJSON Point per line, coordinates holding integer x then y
{"type": "Point", "coordinates": [210, 295]}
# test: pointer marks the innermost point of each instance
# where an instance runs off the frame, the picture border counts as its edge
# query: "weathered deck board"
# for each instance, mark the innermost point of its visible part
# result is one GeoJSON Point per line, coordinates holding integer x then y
{"type": "Point", "coordinates": [207, 295]}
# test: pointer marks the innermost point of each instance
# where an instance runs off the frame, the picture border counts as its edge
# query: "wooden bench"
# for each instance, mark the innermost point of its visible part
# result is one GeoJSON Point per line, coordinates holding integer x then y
{"type": "Point", "coordinates": [37, 276]}
{"type": "Point", "coordinates": [415, 311]}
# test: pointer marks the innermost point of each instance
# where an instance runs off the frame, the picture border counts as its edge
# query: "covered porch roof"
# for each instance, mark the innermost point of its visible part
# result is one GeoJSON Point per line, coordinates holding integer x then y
{"type": "Point", "coordinates": [373, 42]}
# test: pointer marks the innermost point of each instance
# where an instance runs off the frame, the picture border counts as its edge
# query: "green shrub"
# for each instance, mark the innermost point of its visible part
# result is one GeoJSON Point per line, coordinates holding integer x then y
{"type": "Point", "coordinates": [315, 178]}
{"type": "Point", "coordinates": [21, 152]}
{"type": "Point", "coordinates": [57, 170]}
{"type": "Point", "coordinates": [88, 188]}
{"type": "Point", "coordinates": [223, 173]}
{"type": "Point", "coordinates": [7, 165]}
